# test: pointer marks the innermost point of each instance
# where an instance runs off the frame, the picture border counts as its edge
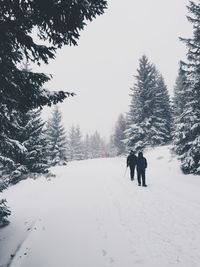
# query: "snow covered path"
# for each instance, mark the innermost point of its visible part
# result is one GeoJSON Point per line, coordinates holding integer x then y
{"type": "Point", "coordinates": [92, 216]}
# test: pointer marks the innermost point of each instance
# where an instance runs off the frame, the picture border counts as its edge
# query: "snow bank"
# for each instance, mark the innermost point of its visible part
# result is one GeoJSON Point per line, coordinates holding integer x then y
{"type": "Point", "coordinates": [91, 215]}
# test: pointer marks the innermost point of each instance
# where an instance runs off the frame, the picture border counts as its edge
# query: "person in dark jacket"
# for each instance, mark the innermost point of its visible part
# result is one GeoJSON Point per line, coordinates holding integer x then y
{"type": "Point", "coordinates": [131, 163]}
{"type": "Point", "coordinates": [141, 168]}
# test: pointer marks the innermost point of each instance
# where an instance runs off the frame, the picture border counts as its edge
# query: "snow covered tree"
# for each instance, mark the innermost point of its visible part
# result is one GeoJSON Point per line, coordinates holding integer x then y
{"type": "Point", "coordinates": [75, 143]}
{"type": "Point", "coordinates": [26, 151]}
{"type": "Point", "coordinates": [4, 210]}
{"type": "Point", "coordinates": [180, 90]}
{"type": "Point", "coordinates": [31, 135]}
{"type": "Point", "coordinates": [57, 145]}
{"type": "Point", "coordinates": [139, 115]}
{"type": "Point", "coordinates": [187, 135]}
{"type": "Point", "coordinates": [86, 147]}
{"type": "Point", "coordinates": [111, 148]}
{"type": "Point", "coordinates": [72, 142]}
{"type": "Point", "coordinates": [119, 135]}
{"type": "Point", "coordinates": [182, 97]}
{"type": "Point", "coordinates": [8, 144]}
{"type": "Point", "coordinates": [78, 149]}
{"type": "Point", "coordinates": [4, 213]}
{"type": "Point", "coordinates": [97, 146]}
{"type": "Point", "coordinates": [162, 121]}
{"type": "Point", "coordinates": [94, 146]}
{"type": "Point", "coordinates": [148, 120]}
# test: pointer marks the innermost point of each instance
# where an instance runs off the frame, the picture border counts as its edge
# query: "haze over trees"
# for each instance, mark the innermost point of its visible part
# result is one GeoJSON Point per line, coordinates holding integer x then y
{"type": "Point", "coordinates": [119, 135]}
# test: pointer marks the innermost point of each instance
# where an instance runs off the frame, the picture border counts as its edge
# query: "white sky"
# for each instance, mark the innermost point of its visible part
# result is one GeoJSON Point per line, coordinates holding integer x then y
{"type": "Point", "coordinates": [100, 69]}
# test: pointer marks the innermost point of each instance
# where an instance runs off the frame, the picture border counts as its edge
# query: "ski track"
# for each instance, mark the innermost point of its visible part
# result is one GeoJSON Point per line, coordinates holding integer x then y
{"type": "Point", "coordinates": [92, 216]}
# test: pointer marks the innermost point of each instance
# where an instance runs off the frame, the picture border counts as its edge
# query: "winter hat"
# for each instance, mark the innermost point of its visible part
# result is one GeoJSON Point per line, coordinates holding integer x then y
{"type": "Point", "coordinates": [140, 154]}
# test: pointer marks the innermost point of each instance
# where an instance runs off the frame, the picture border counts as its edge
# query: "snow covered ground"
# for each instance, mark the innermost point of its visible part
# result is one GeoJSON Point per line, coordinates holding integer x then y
{"type": "Point", "coordinates": [90, 215]}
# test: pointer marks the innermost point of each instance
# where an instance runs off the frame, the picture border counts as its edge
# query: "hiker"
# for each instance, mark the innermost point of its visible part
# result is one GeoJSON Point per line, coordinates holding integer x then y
{"type": "Point", "coordinates": [131, 163]}
{"type": "Point", "coordinates": [141, 168]}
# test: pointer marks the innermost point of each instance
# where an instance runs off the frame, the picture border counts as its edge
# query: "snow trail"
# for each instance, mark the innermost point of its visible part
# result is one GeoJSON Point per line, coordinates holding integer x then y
{"type": "Point", "coordinates": [90, 215]}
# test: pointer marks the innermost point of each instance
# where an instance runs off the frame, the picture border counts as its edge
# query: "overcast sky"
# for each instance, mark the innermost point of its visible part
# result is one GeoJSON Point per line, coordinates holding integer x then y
{"type": "Point", "coordinates": [101, 69]}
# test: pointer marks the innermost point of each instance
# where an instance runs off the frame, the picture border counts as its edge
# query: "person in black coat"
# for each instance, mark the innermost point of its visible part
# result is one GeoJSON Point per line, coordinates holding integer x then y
{"type": "Point", "coordinates": [141, 168]}
{"type": "Point", "coordinates": [131, 163]}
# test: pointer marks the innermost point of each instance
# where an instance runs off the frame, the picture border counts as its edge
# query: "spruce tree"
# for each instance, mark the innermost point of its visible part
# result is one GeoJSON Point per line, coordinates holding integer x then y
{"type": "Point", "coordinates": [149, 117]}
{"type": "Point", "coordinates": [119, 135]}
{"type": "Point", "coordinates": [87, 147]}
{"type": "Point", "coordinates": [9, 146]}
{"type": "Point", "coordinates": [57, 145]}
{"type": "Point", "coordinates": [72, 142]}
{"type": "Point", "coordinates": [94, 146]}
{"type": "Point", "coordinates": [111, 148]}
{"type": "Point", "coordinates": [4, 213]}
{"type": "Point", "coordinates": [187, 137]}
{"type": "Point", "coordinates": [78, 145]}
{"type": "Point", "coordinates": [97, 146]}
{"type": "Point", "coordinates": [140, 113]}
{"type": "Point", "coordinates": [180, 91]}
{"type": "Point", "coordinates": [4, 210]}
{"type": "Point", "coordinates": [33, 138]}
{"type": "Point", "coordinates": [160, 132]}
{"type": "Point", "coordinates": [26, 152]}
{"type": "Point", "coordinates": [181, 97]}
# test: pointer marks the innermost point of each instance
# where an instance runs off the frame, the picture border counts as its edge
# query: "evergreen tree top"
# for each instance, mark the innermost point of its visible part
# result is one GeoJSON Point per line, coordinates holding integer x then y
{"type": "Point", "coordinates": [193, 43]}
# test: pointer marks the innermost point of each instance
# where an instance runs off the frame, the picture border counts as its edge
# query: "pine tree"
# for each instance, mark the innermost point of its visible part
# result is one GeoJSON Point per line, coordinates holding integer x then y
{"type": "Point", "coordinates": [26, 150]}
{"type": "Point", "coordinates": [181, 97]}
{"type": "Point", "coordinates": [86, 147]}
{"type": "Point", "coordinates": [180, 90]}
{"type": "Point", "coordinates": [160, 132]}
{"type": "Point", "coordinates": [94, 146]}
{"type": "Point", "coordinates": [57, 145]}
{"type": "Point", "coordinates": [111, 148]}
{"type": "Point", "coordinates": [4, 210]}
{"type": "Point", "coordinates": [75, 140]}
{"type": "Point", "coordinates": [72, 142]}
{"type": "Point", "coordinates": [32, 136]}
{"type": "Point", "coordinates": [148, 120]}
{"type": "Point", "coordinates": [187, 138]}
{"type": "Point", "coordinates": [119, 135]}
{"type": "Point", "coordinates": [9, 145]}
{"type": "Point", "coordinates": [97, 146]}
{"type": "Point", "coordinates": [4, 213]}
